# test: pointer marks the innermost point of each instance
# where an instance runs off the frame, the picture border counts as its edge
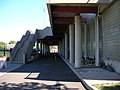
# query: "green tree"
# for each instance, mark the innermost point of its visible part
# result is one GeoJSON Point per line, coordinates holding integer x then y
{"type": "Point", "coordinates": [12, 42]}
{"type": "Point", "coordinates": [2, 45]}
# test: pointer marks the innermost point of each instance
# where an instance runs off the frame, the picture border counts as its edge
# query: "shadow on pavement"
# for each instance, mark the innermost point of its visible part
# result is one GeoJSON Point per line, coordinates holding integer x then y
{"type": "Point", "coordinates": [34, 86]}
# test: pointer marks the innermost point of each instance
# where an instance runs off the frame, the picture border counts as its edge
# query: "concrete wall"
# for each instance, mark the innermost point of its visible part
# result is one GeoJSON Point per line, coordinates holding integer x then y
{"type": "Point", "coordinates": [110, 36]}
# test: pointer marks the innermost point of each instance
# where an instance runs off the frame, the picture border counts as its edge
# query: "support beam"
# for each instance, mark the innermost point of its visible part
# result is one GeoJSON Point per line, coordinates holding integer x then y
{"type": "Point", "coordinates": [58, 20]}
{"type": "Point", "coordinates": [41, 46]}
{"type": "Point", "coordinates": [75, 9]}
{"type": "Point", "coordinates": [37, 45]}
{"type": "Point", "coordinates": [85, 40]}
{"type": "Point", "coordinates": [45, 49]}
{"type": "Point", "coordinates": [66, 45]}
{"type": "Point", "coordinates": [96, 41]}
{"type": "Point", "coordinates": [59, 48]}
{"type": "Point", "coordinates": [72, 42]}
{"type": "Point", "coordinates": [48, 50]}
{"type": "Point", "coordinates": [62, 46]}
{"type": "Point", "coordinates": [78, 44]}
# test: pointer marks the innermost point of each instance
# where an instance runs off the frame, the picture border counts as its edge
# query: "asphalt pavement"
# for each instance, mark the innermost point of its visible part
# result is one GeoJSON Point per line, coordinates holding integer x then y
{"type": "Point", "coordinates": [44, 73]}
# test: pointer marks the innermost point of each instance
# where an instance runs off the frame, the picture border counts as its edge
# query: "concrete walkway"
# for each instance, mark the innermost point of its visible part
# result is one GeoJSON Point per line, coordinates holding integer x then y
{"type": "Point", "coordinates": [46, 73]}
{"type": "Point", "coordinates": [98, 76]}
{"type": "Point", "coordinates": [90, 76]}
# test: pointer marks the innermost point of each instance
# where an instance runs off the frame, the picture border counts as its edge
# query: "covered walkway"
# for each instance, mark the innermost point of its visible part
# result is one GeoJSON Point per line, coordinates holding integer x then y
{"type": "Point", "coordinates": [45, 73]}
{"type": "Point", "coordinates": [87, 34]}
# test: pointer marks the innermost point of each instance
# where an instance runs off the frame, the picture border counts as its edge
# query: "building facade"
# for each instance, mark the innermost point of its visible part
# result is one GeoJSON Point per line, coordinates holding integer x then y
{"type": "Point", "coordinates": [110, 35]}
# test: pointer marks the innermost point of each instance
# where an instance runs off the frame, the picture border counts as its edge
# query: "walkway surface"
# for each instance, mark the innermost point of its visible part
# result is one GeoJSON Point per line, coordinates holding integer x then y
{"type": "Point", "coordinates": [91, 76]}
{"type": "Point", "coordinates": [46, 73]}
{"type": "Point", "coordinates": [98, 76]}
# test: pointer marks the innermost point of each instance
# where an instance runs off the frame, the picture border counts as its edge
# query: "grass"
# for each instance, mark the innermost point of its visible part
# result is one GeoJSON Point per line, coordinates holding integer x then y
{"type": "Point", "coordinates": [7, 53]}
{"type": "Point", "coordinates": [108, 86]}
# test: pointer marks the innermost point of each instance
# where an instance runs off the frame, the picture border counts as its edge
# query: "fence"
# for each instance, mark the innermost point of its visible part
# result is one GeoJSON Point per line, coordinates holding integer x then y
{"type": "Point", "coordinates": [5, 53]}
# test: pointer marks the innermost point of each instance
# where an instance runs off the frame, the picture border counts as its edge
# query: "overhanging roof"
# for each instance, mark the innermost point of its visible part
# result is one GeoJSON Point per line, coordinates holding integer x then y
{"type": "Point", "coordinates": [62, 12]}
{"type": "Point", "coordinates": [78, 1]}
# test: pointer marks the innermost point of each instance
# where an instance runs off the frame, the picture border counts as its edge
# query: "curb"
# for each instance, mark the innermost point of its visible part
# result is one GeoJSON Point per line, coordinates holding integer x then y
{"type": "Point", "coordinates": [78, 75]}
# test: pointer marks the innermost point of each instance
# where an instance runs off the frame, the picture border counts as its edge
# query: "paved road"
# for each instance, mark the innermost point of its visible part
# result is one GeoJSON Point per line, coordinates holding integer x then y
{"type": "Point", "coordinates": [44, 73]}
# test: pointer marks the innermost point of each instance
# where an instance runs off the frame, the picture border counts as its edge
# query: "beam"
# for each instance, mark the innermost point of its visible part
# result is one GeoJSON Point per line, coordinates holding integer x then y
{"type": "Point", "coordinates": [66, 20]}
{"type": "Point", "coordinates": [73, 9]}
{"type": "Point", "coordinates": [60, 25]}
{"type": "Point", "coordinates": [60, 30]}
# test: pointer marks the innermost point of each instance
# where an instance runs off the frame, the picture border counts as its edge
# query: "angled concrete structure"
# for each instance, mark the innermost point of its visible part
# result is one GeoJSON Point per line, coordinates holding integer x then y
{"type": "Point", "coordinates": [22, 52]}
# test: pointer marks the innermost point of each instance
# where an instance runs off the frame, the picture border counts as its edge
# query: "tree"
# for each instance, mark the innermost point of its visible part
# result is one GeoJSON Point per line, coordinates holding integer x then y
{"type": "Point", "coordinates": [12, 42]}
{"type": "Point", "coordinates": [2, 45]}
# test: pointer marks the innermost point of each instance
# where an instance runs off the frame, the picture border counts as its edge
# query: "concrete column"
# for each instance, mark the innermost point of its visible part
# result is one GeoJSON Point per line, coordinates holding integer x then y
{"type": "Point", "coordinates": [40, 46]}
{"type": "Point", "coordinates": [72, 42]}
{"type": "Point", "coordinates": [78, 44]}
{"type": "Point", "coordinates": [85, 40]}
{"type": "Point", "coordinates": [96, 41]}
{"type": "Point", "coordinates": [37, 45]}
{"type": "Point", "coordinates": [63, 49]}
{"type": "Point", "coordinates": [43, 47]}
{"type": "Point", "coordinates": [66, 45]}
{"type": "Point", "coordinates": [59, 47]}
{"type": "Point", "coordinates": [48, 49]}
